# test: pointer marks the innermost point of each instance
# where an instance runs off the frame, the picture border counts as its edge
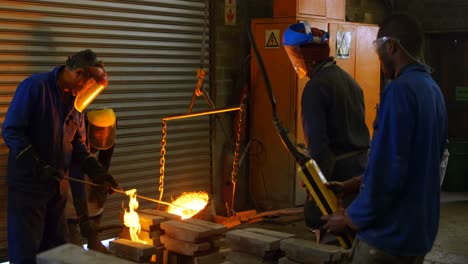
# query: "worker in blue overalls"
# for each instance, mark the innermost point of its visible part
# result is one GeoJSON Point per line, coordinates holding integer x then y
{"type": "Point", "coordinates": [43, 128]}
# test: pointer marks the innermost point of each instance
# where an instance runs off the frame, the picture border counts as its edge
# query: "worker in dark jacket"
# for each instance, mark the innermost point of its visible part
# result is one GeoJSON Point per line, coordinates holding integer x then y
{"type": "Point", "coordinates": [85, 204]}
{"type": "Point", "coordinates": [396, 213]}
{"type": "Point", "coordinates": [43, 128]}
{"type": "Point", "coordinates": [333, 116]}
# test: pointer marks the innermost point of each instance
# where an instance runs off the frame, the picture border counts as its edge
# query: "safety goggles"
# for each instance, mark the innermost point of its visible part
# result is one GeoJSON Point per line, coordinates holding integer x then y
{"type": "Point", "coordinates": [378, 43]}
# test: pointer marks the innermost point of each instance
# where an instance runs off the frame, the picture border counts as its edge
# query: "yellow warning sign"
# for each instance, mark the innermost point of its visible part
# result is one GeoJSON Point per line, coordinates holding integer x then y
{"type": "Point", "coordinates": [272, 38]}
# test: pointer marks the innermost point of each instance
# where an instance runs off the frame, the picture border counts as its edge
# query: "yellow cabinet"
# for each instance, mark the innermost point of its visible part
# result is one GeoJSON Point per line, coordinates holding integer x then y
{"type": "Point", "coordinates": [321, 9]}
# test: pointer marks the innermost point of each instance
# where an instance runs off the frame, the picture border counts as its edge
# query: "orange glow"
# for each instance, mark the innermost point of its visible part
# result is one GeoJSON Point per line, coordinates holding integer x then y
{"type": "Point", "coordinates": [131, 219]}
{"type": "Point", "coordinates": [194, 202]}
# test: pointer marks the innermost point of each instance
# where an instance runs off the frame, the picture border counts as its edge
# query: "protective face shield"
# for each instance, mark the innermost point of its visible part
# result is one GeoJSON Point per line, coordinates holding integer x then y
{"type": "Point", "coordinates": [297, 35]}
{"type": "Point", "coordinates": [92, 88]}
{"type": "Point", "coordinates": [101, 128]}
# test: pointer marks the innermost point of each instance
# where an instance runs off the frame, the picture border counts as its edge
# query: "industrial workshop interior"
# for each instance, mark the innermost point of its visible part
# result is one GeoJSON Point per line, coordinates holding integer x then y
{"type": "Point", "coordinates": [209, 144]}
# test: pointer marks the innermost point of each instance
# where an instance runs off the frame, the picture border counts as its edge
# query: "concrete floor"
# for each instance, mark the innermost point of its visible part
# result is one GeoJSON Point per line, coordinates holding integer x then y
{"type": "Point", "coordinates": [450, 247]}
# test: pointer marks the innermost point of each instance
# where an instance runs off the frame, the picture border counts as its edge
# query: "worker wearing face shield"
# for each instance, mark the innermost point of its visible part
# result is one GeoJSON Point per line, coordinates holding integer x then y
{"type": "Point", "coordinates": [43, 128]}
{"type": "Point", "coordinates": [85, 203]}
{"type": "Point", "coordinates": [332, 114]}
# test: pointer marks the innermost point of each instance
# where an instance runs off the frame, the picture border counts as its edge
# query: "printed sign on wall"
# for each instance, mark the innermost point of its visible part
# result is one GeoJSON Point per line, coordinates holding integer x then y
{"type": "Point", "coordinates": [343, 45]}
{"type": "Point", "coordinates": [230, 12]}
{"type": "Point", "coordinates": [272, 38]}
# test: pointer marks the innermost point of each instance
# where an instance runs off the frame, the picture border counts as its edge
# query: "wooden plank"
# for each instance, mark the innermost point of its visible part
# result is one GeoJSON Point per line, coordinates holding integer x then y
{"type": "Point", "coordinates": [183, 247]}
{"type": "Point", "coordinates": [301, 250]}
{"type": "Point", "coordinates": [252, 243]}
{"type": "Point", "coordinates": [170, 257]}
{"type": "Point", "coordinates": [188, 232]}
{"type": "Point", "coordinates": [237, 219]}
{"type": "Point", "coordinates": [229, 222]}
{"type": "Point", "coordinates": [243, 258]}
{"type": "Point", "coordinates": [211, 225]}
{"type": "Point", "coordinates": [211, 258]}
{"type": "Point", "coordinates": [272, 233]}
{"type": "Point", "coordinates": [166, 215]}
{"type": "Point", "coordinates": [218, 242]}
{"type": "Point", "coordinates": [133, 251]}
{"type": "Point", "coordinates": [150, 222]}
{"type": "Point", "coordinates": [73, 254]}
{"type": "Point", "coordinates": [151, 237]}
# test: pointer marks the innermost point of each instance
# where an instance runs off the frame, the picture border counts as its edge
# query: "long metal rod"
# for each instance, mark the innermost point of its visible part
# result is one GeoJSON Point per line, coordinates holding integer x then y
{"type": "Point", "coordinates": [202, 113]}
{"type": "Point", "coordinates": [150, 199]}
{"type": "Point", "coordinates": [123, 192]}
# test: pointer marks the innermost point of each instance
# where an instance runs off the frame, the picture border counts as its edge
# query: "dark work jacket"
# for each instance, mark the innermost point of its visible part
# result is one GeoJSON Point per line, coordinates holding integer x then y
{"type": "Point", "coordinates": [333, 120]}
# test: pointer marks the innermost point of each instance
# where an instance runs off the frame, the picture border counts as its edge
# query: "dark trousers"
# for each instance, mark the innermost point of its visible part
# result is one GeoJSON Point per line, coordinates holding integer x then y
{"type": "Point", "coordinates": [364, 253]}
{"type": "Point", "coordinates": [36, 222]}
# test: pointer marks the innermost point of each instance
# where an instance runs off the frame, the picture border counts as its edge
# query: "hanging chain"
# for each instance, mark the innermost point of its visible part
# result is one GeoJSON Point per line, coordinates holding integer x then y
{"type": "Point", "coordinates": [162, 161]}
{"type": "Point", "coordinates": [201, 71]}
{"type": "Point", "coordinates": [235, 162]}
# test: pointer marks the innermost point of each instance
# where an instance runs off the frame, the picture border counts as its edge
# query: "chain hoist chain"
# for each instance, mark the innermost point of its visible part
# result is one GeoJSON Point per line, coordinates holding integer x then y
{"type": "Point", "coordinates": [162, 161]}
{"type": "Point", "coordinates": [235, 163]}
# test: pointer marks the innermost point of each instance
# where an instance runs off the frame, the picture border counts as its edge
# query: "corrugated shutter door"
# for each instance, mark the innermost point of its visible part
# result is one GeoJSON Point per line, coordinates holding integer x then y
{"type": "Point", "coordinates": [151, 50]}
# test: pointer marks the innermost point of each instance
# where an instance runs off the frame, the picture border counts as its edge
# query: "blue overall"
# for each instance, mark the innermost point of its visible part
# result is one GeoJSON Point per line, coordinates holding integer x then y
{"type": "Point", "coordinates": [397, 209]}
{"type": "Point", "coordinates": [42, 115]}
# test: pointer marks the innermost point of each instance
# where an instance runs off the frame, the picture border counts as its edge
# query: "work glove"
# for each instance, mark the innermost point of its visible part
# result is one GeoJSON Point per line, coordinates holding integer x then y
{"type": "Point", "coordinates": [98, 174]}
{"type": "Point", "coordinates": [47, 172]}
{"type": "Point", "coordinates": [98, 194]}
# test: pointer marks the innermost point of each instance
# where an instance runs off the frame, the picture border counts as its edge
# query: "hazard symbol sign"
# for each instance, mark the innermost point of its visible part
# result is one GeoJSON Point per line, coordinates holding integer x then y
{"type": "Point", "coordinates": [272, 39]}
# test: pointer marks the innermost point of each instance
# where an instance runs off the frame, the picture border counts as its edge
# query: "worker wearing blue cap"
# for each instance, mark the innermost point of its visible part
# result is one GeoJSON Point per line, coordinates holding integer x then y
{"type": "Point", "coordinates": [332, 114]}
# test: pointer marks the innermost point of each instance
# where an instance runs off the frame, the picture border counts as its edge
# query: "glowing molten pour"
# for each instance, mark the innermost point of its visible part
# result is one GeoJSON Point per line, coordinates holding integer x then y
{"type": "Point", "coordinates": [189, 204]}
{"type": "Point", "coordinates": [131, 219]}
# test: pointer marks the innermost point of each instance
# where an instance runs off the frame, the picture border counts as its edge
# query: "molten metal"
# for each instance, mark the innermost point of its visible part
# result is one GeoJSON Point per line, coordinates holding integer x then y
{"type": "Point", "coordinates": [195, 201]}
{"type": "Point", "coordinates": [131, 219]}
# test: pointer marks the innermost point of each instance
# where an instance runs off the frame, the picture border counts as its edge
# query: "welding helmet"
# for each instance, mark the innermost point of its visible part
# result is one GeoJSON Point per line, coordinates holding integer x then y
{"type": "Point", "coordinates": [101, 128]}
{"type": "Point", "coordinates": [96, 83]}
{"type": "Point", "coordinates": [303, 44]}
